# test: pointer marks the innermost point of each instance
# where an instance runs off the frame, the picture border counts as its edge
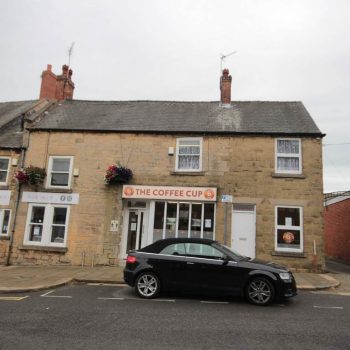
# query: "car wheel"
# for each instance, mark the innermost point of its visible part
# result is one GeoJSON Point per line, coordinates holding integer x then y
{"type": "Point", "coordinates": [260, 291]}
{"type": "Point", "coordinates": [147, 285]}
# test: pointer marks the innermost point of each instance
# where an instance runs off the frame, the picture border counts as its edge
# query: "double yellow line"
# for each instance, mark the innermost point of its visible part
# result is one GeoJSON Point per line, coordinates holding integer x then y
{"type": "Point", "coordinates": [13, 298]}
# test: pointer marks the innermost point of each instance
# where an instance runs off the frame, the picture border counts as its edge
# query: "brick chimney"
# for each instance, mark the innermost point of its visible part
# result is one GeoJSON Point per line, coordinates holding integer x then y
{"type": "Point", "coordinates": [57, 87]}
{"type": "Point", "coordinates": [225, 87]}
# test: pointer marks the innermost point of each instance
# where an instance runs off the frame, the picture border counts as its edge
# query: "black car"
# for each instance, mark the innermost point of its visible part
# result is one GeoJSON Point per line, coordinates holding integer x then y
{"type": "Point", "coordinates": [204, 265]}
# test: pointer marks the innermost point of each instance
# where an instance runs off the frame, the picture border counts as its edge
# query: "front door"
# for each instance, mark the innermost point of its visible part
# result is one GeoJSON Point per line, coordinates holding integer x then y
{"type": "Point", "coordinates": [136, 229]}
{"type": "Point", "coordinates": [243, 229]}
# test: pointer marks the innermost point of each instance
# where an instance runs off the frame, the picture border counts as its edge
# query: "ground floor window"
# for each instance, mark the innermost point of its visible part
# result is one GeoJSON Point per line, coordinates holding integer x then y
{"type": "Point", "coordinates": [5, 215]}
{"type": "Point", "coordinates": [183, 219]}
{"type": "Point", "coordinates": [47, 225]}
{"type": "Point", "coordinates": [289, 229]}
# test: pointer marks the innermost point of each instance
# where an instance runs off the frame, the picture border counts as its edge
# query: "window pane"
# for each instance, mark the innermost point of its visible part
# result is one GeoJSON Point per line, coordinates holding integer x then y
{"type": "Point", "coordinates": [189, 142]}
{"type": "Point", "coordinates": [4, 164]}
{"type": "Point", "coordinates": [288, 146]}
{"type": "Point", "coordinates": [60, 165]}
{"type": "Point", "coordinates": [36, 232]}
{"type": "Point", "coordinates": [188, 162]}
{"type": "Point", "coordinates": [174, 249]}
{"type": "Point", "coordinates": [59, 216]}
{"type": "Point", "coordinates": [208, 229]}
{"type": "Point", "coordinates": [59, 179]}
{"type": "Point", "coordinates": [288, 216]}
{"type": "Point", "coordinates": [196, 220]}
{"type": "Point", "coordinates": [287, 163]}
{"type": "Point", "coordinates": [288, 239]}
{"type": "Point", "coordinates": [170, 225]}
{"type": "Point", "coordinates": [184, 213]}
{"type": "Point", "coordinates": [189, 150]}
{"type": "Point", "coordinates": [37, 214]}
{"type": "Point", "coordinates": [3, 175]}
{"type": "Point", "coordinates": [158, 221]}
{"type": "Point", "coordinates": [202, 250]}
{"type": "Point", "coordinates": [5, 222]}
{"type": "Point", "coordinates": [57, 235]}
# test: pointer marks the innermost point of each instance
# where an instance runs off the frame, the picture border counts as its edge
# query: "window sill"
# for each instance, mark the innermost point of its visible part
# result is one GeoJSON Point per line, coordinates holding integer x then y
{"type": "Point", "coordinates": [44, 248]}
{"type": "Point", "coordinates": [293, 176]}
{"type": "Point", "coordinates": [57, 190]}
{"type": "Point", "coordinates": [188, 173]}
{"type": "Point", "coordinates": [4, 238]}
{"type": "Point", "coordinates": [4, 187]}
{"type": "Point", "coordinates": [289, 254]}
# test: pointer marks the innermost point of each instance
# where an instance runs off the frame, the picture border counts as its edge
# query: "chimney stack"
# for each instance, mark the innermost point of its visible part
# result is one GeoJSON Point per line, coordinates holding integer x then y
{"type": "Point", "coordinates": [57, 87]}
{"type": "Point", "coordinates": [225, 87]}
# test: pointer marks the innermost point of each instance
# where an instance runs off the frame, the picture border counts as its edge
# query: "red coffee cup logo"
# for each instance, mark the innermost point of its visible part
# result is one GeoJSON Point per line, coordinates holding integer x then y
{"type": "Point", "coordinates": [128, 191]}
{"type": "Point", "coordinates": [209, 194]}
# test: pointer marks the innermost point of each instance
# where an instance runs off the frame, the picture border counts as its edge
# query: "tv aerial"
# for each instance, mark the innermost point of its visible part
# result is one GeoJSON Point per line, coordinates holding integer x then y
{"type": "Point", "coordinates": [223, 57]}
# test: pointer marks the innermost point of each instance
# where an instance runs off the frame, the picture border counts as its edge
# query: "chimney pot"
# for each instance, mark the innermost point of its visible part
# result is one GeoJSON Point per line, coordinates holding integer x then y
{"type": "Point", "coordinates": [49, 67]}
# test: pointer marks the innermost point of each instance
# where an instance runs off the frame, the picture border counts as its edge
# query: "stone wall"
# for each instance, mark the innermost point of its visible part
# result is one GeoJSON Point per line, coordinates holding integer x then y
{"type": "Point", "coordinates": [241, 166]}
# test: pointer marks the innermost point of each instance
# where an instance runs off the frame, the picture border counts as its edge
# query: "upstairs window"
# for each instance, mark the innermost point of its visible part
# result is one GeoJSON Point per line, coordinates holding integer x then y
{"type": "Point", "coordinates": [4, 170]}
{"type": "Point", "coordinates": [60, 172]}
{"type": "Point", "coordinates": [189, 154]}
{"type": "Point", "coordinates": [288, 156]}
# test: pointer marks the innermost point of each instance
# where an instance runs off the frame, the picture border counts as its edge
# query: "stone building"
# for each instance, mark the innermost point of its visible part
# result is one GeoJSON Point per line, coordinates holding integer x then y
{"type": "Point", "coordinates": [248, 174]}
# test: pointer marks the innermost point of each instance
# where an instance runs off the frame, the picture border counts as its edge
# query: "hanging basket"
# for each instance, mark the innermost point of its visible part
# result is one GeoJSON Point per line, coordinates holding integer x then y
{"type": "Point", "coordinates": [117, 174]}
{"type": "Point", "coordinates": [30, 175]}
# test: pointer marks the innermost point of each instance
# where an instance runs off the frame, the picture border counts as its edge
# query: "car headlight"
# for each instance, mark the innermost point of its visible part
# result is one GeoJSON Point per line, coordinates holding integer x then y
{"type": "Point", "coordinates": [285, 276]}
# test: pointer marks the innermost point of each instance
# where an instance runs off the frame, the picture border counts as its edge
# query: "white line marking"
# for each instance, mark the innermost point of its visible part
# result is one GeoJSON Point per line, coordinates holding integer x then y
{"type": "Point", "coordinates": [168, 300]}
{"type": "Point", "coordinates": [111, 298]}
{"type": "Point", "coordinates": [13, 298]}
{"type": "Point", "coordinates": [46, 295]}
{"type": "Point", "coordinates": [329, 307]}
{"type": "Point", "coordinates": [213, 302]}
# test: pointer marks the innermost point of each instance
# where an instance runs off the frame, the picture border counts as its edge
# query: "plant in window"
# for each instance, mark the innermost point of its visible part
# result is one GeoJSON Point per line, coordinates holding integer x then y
{"type": "Point", "coordinates": [31, 175]}
{"type": "Point", "coordinates": [117, 173]}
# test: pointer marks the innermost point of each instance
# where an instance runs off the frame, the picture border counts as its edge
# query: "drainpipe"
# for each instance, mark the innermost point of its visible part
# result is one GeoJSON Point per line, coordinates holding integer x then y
{"type": "Point", "coordinates": [7, 263]}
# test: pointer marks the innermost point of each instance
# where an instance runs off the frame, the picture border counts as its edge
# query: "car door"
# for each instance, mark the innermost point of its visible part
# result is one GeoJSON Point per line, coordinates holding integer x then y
{"type": "Point", "coordinates": [207, 269]}
{"type": "Point", "coordinates": [170, 265]}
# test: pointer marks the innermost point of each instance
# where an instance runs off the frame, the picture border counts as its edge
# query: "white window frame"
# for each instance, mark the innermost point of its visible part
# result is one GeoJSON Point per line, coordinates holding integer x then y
{"type": "Point", "coordinates": [2, 214]}
{"type": "Point", "coordinates": [8, 170]}
{"type": "Point", "coordinates": [289, 227]}
{"type": "Point", "coordinates": [49, 172]}
{"type": "Point", "coordinates": [47, 223]}
{"type": "Point", "coordinates": [288, 155]}
{"type": "Point", "coordinates": [200, 139]}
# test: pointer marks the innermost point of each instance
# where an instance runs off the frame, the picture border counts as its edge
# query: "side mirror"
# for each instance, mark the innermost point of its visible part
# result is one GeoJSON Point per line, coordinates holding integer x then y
{"type": "Point", "coordinates": [225, 259]}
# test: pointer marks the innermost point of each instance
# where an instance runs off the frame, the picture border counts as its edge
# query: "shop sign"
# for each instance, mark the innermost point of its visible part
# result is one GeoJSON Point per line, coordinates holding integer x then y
{"type": "Point", "coordinates": [5, 197]}
{"type": "Point", "coordinates": [207, 194]}
{"type": "Point", "coordinates": [52, 198]}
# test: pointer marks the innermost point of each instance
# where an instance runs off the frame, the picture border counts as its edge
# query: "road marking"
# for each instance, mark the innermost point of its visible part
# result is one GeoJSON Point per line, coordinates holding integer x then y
{"type": "Point", "coordinates": [213, 302]}
{"type": "Point", "coordinates": [13, 298]}
{"type": "Point", "coordinates": [46, 295]}
{"type": "Point", "coordinates": [108, 284]}
{"type": "Point", "coordinates": [346, 294]}
{"type": "Point", "coordinates": [167, 300]}
{"type": "Point", "coordinates": [111, 298]}
{"type": "Point", "coordinates": [329, 307]}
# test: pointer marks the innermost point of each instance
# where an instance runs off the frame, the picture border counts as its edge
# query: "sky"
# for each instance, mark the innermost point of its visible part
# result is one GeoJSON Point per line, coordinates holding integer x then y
{"type": "Point", "coordinates": [170, 50]}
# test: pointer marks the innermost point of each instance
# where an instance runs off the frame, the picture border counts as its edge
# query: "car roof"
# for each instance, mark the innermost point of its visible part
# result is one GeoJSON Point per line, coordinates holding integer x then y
{"type": "Point", "coordinates": [162, 243]}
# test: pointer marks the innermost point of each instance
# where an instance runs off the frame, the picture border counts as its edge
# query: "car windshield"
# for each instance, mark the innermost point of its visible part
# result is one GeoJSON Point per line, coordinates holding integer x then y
{"type": "Point", "coordinates": [230, 252]}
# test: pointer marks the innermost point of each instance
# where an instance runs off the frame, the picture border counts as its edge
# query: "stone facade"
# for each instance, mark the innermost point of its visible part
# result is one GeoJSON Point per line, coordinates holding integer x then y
{"type": "Point", "coordinates": [242, 166]}
{"type": "Point", "coordinates": [15, 157]}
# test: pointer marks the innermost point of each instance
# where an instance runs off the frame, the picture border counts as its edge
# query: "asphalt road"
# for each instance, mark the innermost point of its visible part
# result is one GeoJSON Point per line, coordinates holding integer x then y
{"type": "Point", "coordinates": [112, 317]}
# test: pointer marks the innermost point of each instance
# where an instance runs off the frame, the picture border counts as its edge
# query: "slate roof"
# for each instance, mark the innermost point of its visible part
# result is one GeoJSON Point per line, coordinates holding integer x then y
{"type": "Point", "coordinates": [282, 118]}
{"type": "Point", "coordinates": [10, 123]}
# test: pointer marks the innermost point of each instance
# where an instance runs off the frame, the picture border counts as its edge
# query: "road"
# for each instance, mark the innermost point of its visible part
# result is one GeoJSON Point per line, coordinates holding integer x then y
{"type": "Point", "coordinates": [112, 317]}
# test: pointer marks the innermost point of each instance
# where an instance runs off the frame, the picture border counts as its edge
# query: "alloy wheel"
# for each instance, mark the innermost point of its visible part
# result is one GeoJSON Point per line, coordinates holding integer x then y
{"type": "Point", "coordinates": [147, 285]}
{"type": "Point", "coordinates": [260, 291]}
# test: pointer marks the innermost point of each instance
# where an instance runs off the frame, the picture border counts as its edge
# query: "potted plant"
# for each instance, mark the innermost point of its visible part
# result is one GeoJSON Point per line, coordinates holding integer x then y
{"type": "Point", "coordinates": [30, 175]}
{"type": "Point", "coordinates": [117, 173]}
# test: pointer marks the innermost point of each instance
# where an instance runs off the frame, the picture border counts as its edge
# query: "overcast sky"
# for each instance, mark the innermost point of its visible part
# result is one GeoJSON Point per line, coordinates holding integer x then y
{"type": "Point", "coordinates": [170, 50]}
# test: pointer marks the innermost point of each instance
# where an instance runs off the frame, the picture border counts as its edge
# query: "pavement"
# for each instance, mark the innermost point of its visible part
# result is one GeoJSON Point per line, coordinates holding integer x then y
{"type": "Point", "coordinates": [16, 279]}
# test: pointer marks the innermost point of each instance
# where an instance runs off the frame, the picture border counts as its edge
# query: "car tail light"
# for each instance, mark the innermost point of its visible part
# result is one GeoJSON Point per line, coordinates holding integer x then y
{"type": "Point", "coordinates": [131, 259]}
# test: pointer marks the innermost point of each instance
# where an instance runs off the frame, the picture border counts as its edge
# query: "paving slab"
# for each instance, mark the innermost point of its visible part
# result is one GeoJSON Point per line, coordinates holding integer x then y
{"type": "Point", "coordinates": [30, 278]}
